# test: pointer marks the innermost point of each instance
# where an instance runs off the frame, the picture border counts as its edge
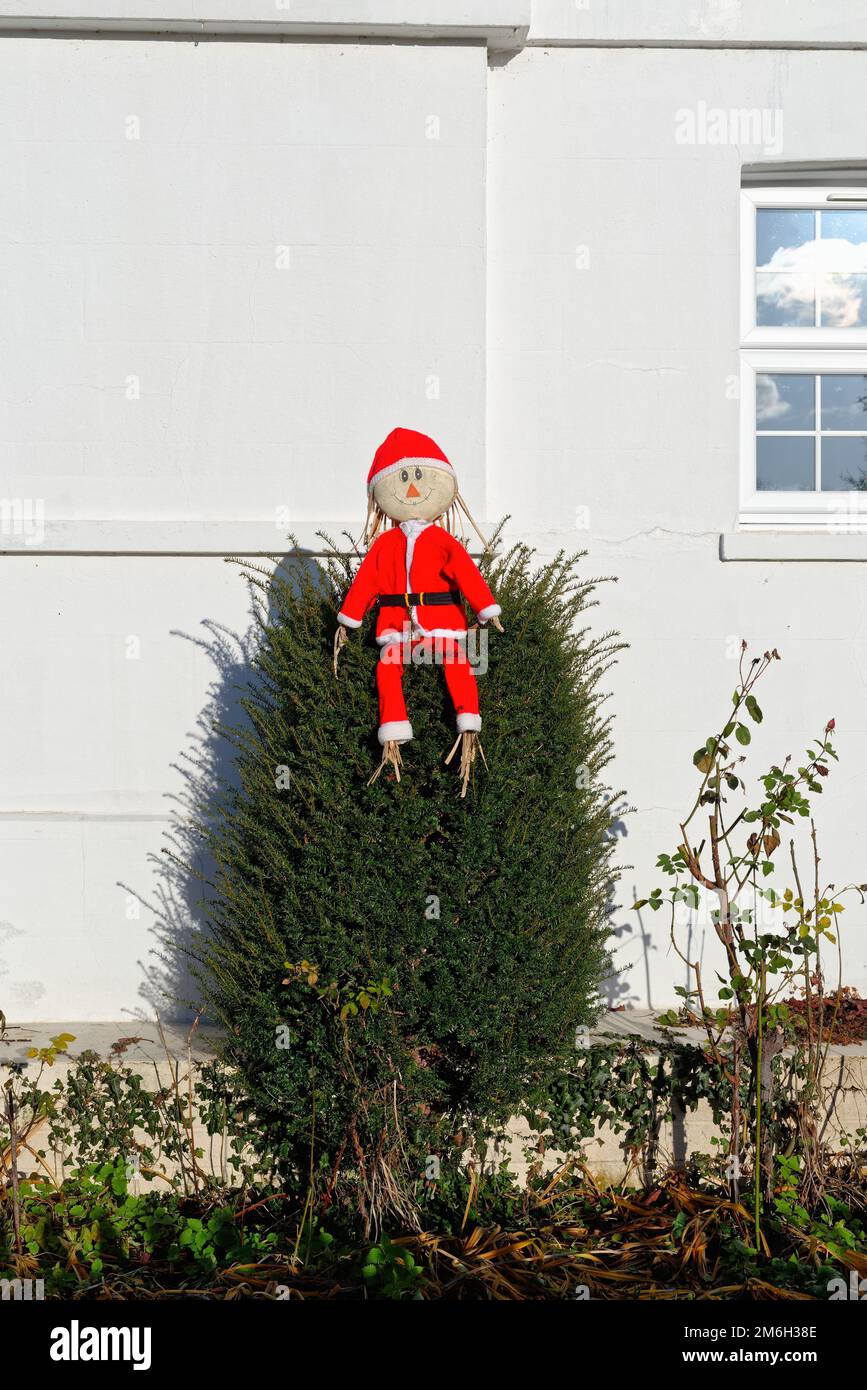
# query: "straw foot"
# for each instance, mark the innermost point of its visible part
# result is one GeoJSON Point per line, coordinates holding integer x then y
{"type": "Point", "coordinates": [390, 757]}
{"type": "Point", "coordinates": [470, 745]}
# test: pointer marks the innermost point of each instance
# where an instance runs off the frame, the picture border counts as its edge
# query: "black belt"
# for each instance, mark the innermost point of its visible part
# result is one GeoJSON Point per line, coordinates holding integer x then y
{"type": "Point", "coordinates": [423, 600]}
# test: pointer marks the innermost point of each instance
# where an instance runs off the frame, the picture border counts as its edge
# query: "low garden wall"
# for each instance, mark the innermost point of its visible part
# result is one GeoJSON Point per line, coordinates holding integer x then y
{"type": "Point", "coordinates": [651, 1130]}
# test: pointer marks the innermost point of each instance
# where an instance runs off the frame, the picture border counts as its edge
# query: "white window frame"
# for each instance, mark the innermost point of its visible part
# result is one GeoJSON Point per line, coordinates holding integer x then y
{"type": "Point", "coordinates": [844, 510]}
{"type": "Point", "coordinates": [821, 351]}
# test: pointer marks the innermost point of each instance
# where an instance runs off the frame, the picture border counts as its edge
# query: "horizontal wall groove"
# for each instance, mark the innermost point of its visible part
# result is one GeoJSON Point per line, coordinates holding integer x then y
{"type": "Point", "coordinates": [34, 554]}
{"type": "Point", "coordinates": [760, 45]}
{"type": "Point", "coordinates": [77, 817]}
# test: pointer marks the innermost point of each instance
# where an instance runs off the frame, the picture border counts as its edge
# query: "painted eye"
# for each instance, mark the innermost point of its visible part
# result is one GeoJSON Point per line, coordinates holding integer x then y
{"type": "Point", "coordinates": [418, 475]}
{"type": "Point", "coordinates": [404, 475]}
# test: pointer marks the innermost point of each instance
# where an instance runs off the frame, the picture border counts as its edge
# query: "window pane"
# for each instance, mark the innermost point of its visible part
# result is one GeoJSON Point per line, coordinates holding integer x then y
{"type": "Point", "coordinates": [785, 401]}
{"type": "Point", "coordinates": [844, 240]}
{"type": "Point", "coordinates": [783, 236]}
{"type": "Point", "coordinates": [785, 464]}
{"type": "Point", "coordinates": [844, 301]}
{"type": "Point", "coordinates": [785, 298]}
{"type": "Point", "coordinates": [844, 402]}
{"type": "Point", "coordinates": [844, 464]}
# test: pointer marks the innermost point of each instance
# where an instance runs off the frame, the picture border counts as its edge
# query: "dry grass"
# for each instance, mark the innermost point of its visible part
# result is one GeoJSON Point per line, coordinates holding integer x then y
{"type": "Point", "coordinates": [673, 1243]}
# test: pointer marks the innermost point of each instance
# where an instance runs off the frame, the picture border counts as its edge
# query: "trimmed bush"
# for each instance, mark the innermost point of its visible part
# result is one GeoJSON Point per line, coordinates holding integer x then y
{"type": "Point", "coordinates": [398, 970]}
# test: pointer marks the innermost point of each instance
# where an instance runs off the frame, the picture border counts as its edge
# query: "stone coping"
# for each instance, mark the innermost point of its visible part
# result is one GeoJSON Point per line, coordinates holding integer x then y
{"type": "Point", "coordinates": [179, 1043]}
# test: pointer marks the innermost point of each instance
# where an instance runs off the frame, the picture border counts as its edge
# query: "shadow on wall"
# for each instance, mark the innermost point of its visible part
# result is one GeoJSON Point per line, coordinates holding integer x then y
{"type": "Point", "coordinates": [183, 867]}
{"type": "Point", "coordinates": [615, 990]}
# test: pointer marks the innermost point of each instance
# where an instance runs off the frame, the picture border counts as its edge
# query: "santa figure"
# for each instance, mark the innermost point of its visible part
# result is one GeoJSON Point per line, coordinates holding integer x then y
{"type": "Point", "coordinates": [418, 574]}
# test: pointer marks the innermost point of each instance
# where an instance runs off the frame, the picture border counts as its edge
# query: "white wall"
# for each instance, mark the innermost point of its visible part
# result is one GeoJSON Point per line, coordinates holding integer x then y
{"type": "Point", "coordinates": [154, 260]}
{"type": "Point", "coordinates": [431, 205]}
{"type": "Point", "coordinates": [613, 339]}
{"type": "Point", "coordinates": [264, 241]}
{"type": "Point", "coordinates": [684, 22]}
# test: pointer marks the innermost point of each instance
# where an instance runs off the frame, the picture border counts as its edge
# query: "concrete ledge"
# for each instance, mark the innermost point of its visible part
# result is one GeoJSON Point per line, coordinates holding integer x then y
{"type": "Point", "coordinates": [623, 1024]}
{"type": "Point", "coordinates": [618, 1025]}
{"type": "Point", "coordinates": [178, 1044]}
{"type": "Point", "coordinates": [501, 24]}
{"type": "Point", "coordinates": [789, 546]}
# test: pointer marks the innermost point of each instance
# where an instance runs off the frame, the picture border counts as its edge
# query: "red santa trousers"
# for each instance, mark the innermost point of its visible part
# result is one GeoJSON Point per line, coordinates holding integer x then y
{"type": "Point", "coordinates": [445, 651]}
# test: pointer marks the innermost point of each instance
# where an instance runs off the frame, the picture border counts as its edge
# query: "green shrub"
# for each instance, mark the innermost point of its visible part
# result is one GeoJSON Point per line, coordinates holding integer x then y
{"type": "Point", "coordinates": [396, 968]}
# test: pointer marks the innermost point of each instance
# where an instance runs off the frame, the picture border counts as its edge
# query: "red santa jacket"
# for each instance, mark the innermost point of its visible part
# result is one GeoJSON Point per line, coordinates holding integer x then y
{"type": "Point", "coordinates": [417, 557]}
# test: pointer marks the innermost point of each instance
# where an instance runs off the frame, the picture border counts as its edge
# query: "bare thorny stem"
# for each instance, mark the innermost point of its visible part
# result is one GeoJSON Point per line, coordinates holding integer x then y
{"type": "Point", "coordinates": [12, 1122]}
{"type": "Point", "coordinates": [729, 876]}
{"type": "Point", "coordinates": [729, 883]}
{"type": "Point", "coordinates": [719, 833]}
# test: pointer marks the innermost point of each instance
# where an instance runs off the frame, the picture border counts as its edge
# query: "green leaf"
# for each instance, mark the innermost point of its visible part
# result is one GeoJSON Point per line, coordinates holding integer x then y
{"type": "Point", "coordinates": [742, 734]}
{"type": "Point", "coordinates": [753, 708]}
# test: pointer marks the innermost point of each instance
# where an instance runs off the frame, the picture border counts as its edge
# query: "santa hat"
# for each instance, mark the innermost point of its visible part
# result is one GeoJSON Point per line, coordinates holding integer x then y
{"type": "Point", "coordinates": [405, 449]}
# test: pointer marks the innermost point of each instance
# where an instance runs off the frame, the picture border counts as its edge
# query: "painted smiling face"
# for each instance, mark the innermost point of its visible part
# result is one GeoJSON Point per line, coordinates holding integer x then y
{"type": "Point", "coordinates": [417, 491]}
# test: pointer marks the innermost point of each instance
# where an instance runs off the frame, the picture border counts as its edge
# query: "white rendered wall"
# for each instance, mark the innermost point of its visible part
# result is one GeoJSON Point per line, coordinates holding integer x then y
{"type": "Point", "coordinates": [227, 270]}
{"type": "Point", "coordinates": [613, 426]}
{"type": "Point", "coordinates": [225, 266]}
{"type": "Point", "coordinates": [793, 23]}
{"type": "Point", "coordinates": [518, 258]}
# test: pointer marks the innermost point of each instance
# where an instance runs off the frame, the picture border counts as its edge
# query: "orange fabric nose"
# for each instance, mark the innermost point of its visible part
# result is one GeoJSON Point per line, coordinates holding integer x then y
{"type": "Point", "coordinates": [412, 491]}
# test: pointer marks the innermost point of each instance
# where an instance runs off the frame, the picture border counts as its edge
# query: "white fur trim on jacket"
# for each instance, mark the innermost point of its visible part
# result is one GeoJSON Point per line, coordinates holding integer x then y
{"type": "Point", "coordinates": [412, 530]}
{"type": "Point", "coordinates": [348, 622]}
{"type": "Point", "coordinates": [398, 731]}
{"type": "Point", "coordinates": [469, 723]}
{"type": "Point", "coordinates": [493, 610]}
